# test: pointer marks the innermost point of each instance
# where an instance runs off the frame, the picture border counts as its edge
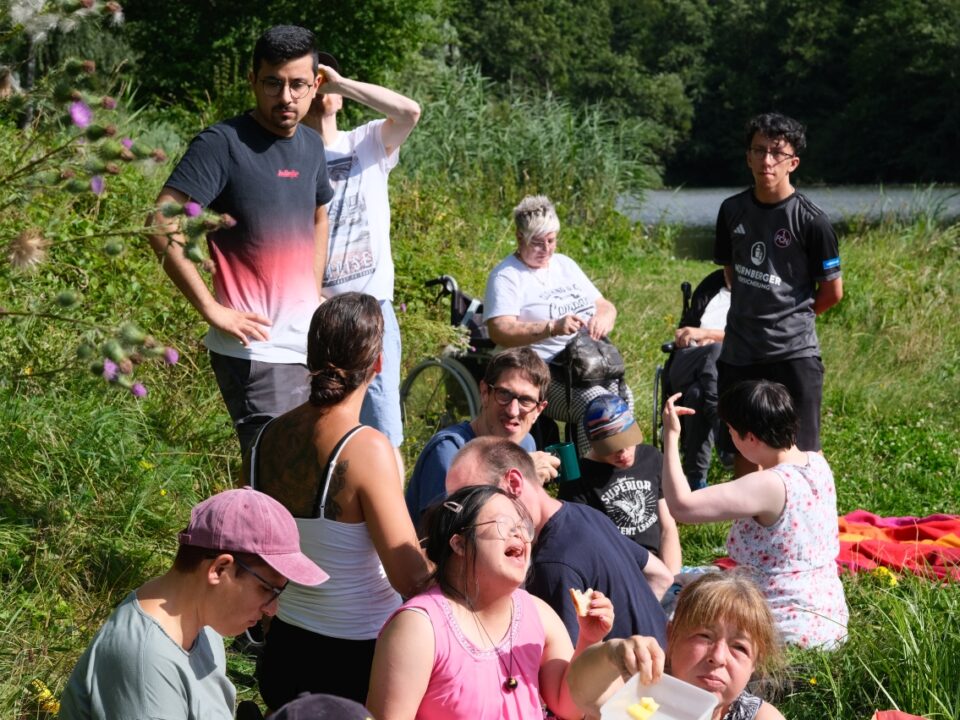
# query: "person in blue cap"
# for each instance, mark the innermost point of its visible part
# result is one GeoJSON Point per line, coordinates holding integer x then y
{"type": "Point", "coordinates": [621, 477]}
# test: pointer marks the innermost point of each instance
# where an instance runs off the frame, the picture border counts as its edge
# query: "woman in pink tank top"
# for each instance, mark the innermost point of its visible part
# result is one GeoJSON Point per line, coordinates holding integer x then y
{"type": "Point", "coordinates": [476, 645]}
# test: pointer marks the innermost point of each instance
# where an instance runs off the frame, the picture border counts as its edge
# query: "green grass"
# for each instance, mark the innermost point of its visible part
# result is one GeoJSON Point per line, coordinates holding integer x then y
{"type": "Point", "coordinates": [96, 485]}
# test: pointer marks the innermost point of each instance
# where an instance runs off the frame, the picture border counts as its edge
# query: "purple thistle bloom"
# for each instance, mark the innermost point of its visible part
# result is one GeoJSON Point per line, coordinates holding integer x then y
{"type": "Point", "coordinates": [171, 356]}
{"type": "Point", "coordinates": [192, 209]}
{"type": "Point", "coordinates": [80, 114]}
{"type": "Point", "coordinates": [127, 143]}
{"type": "Point", "coordinates": [403, 307]}
{"type": "Point", "coordinates": [109, 370]}
{"type": "Point", "coordinates": [138, 390]}
{"type": "Point", "coordinates": [97, 185]}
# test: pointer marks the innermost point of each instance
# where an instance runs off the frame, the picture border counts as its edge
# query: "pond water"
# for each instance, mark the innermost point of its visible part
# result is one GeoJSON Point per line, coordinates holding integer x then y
{"type": "Point", "coordinates": [693, 211]}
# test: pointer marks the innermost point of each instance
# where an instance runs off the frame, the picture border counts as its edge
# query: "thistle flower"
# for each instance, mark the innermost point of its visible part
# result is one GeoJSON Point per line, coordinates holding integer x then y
{"type": "Point", "coordinates": [89, 67]}
{"type": "Point", "coordinates": [159, 155]}
{"type": "Point", "coordinates": [116, 12]}
{"type": "Point", "coordinates": [97, 185]}
{"type": "Point", "coordinates": [138, 390]}
{"type": "Point", "coordinates": [125, 366]}
{"type": "Point", "coordinates": [113, 247]}
{"type": "Point", "coordinates": [67, 298]}
{"type": "Point", "coordinates": [110, 369]}
{"type": "Point", "coordinates": [27, 250]}
{"type": "Point", "coordinates": [227, 221]}
{"type": "Point", "coordinates": [127, 143]}
{"type": "Point", "coordinates": [131, 334]}
{"type": "Point", "coordinates": [192, 209]}
{"type": "Point", "coordinates": [113, 350]}
{"type": "Point", "coordinates": [112, 168]}
{"type": "Point", "coordinates": [171, 356]}
{"type": "Point", "coordinates": [193, 252]}
{"type": "Point", "coordinates": [108, 103]}
{"type": "Point", "coordinates": [171, 209]}
{"type": "Point", "coordinates": [80, 114]}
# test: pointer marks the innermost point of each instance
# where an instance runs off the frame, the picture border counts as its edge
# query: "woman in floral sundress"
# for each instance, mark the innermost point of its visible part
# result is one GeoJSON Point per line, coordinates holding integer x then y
{"type": "Point", "coordinates": [785, 515]}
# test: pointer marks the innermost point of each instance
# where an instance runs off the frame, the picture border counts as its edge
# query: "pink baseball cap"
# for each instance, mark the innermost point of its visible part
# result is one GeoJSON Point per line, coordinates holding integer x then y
{"type": "Point", "coordinates": [247, 521]}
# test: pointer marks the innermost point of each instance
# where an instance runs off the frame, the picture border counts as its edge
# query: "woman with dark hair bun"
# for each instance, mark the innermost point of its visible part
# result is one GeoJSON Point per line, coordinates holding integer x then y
{"type": "Point", "coordinates": [341, 482]}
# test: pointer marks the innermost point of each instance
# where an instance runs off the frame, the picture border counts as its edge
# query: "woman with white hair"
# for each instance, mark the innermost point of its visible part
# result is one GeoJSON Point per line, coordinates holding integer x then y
{"type": "Point", "coordinates": [540, 298]}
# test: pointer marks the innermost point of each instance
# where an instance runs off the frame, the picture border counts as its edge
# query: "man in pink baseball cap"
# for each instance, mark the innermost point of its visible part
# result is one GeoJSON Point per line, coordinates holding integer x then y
{"type": "Point", "coordinates": [160, 654]}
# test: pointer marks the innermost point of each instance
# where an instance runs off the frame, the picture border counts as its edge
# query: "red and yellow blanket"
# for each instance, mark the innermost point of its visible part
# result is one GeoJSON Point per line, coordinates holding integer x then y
{"type": "Point", "coordinates": [927, 546]}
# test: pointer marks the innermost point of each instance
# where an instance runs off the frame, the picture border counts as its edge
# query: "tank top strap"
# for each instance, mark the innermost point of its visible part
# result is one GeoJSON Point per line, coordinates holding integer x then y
{"type": "Point", "coordinates": [321, 499]}
{"type": "Point", "coordinates": [253, 466]}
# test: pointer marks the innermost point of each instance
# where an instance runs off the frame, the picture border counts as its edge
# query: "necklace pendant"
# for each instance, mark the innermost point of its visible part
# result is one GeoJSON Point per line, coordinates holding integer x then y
{"type": "Point", "coordinates": [510, 684]}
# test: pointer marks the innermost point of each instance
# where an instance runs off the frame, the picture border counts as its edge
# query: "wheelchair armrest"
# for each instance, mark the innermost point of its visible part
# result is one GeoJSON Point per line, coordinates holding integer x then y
{"type": "Point", "coordinates": [667, 347]}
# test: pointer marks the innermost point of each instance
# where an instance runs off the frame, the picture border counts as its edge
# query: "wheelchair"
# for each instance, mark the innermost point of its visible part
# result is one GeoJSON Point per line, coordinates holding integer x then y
{"type": "Point", "coordinates": [440, 391]}
{"type": "Point", "coordinates": [444, 390]}
{"type": "Point", "coordinates": [695, 302]}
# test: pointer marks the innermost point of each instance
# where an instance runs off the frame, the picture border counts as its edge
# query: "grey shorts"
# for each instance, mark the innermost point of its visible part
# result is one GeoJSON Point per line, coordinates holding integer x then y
{"type": "Point", "coordinates": [256, 391]}
{"type": "Point", "coordinates": [381, 404]}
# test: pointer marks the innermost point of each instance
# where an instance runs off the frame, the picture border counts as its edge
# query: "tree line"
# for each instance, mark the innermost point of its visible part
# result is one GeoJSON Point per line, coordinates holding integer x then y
{"type": "Point", "coordinates": [876, 81]}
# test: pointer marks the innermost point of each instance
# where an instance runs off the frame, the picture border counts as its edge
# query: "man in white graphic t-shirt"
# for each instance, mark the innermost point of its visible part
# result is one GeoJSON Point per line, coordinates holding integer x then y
{"type": "Point", "coordinates": [359, 162]}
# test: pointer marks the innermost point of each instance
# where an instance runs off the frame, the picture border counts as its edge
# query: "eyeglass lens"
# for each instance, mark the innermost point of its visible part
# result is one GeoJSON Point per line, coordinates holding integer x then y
{"type": "Point", "coordinates": [505, 397]}
{"type": "Point", "coordinates": [274, 87]}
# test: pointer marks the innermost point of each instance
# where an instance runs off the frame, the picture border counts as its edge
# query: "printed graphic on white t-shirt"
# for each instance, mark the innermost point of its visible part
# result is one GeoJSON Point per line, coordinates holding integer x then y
{"type": "Point", "coordinates": [350, 241]}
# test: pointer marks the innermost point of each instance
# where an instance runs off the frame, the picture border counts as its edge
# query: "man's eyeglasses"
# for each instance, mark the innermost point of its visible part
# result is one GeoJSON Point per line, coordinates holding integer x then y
{"type": "Point", "coordinates": [778, 156]}
{"type": "Point", "coordinates": [504, 397]}
{"type": "Point", "coordinates": [273, 87]}
{"type": "Point", "coordinates": [506, 528]}
{"type": "Point", "coordinates": [263, 581]}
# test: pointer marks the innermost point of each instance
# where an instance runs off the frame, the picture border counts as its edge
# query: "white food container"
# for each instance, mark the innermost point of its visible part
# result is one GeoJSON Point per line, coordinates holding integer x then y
{"type": "Point", "coordinates": [678, 700]}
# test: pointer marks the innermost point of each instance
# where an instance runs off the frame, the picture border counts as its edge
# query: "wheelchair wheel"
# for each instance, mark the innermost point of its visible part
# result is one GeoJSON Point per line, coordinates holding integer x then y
{"type": "Point", "coordinates": [656, 434]}
{"type": "Point", "coordinates": [438, 392]}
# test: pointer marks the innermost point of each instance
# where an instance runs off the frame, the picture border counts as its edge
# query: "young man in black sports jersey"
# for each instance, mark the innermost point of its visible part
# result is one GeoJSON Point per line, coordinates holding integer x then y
{"type": "Point", "coordinates": [782, 263]}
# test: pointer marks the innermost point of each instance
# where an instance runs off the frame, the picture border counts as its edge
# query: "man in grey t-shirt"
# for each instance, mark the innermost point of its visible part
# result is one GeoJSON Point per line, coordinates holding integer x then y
{"type": "Point", "coordinates": [782, 264]}
{"type": "Point", "coordinates": [160, 654]}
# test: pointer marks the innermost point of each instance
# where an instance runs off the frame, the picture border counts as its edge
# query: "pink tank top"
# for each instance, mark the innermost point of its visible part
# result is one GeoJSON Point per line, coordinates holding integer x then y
{"type": "Point", "coordinates": [467, 683]}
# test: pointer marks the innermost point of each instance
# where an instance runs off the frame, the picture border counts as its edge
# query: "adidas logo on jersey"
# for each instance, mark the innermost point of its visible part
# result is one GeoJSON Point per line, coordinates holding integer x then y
{"type": "Point", "coordinates": [739, 230]}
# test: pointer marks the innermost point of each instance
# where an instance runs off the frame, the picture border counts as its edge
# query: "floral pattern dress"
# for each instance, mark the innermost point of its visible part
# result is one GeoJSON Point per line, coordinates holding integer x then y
{"type": "Point", "coordinates": [795, 558]}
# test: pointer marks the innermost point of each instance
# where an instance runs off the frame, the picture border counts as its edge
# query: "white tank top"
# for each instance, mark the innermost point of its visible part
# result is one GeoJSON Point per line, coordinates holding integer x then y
{"type": "Point", "coordinates": [357, 599]}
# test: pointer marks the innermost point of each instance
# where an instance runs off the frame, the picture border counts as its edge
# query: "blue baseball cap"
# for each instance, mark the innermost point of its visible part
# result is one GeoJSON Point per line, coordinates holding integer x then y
{"type": "Point", "coordinates": [610, 425]}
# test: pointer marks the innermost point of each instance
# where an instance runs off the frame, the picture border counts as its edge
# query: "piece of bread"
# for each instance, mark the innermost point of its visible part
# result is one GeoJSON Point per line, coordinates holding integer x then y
{"type": "Point", "coordinates": [581, 600]}
{"type": "Point", "coordinates": [644, 709]}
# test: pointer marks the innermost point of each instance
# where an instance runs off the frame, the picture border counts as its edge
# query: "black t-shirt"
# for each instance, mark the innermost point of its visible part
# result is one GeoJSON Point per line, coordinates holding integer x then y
{"type": "Point", "coordinates": [629, 497]}
{"type": "Point", "coordinates": [778, 254]}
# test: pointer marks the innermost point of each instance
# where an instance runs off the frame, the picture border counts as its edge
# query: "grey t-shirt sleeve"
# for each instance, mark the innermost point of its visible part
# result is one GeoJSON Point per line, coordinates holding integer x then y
{"type": "Point", "coordinates": [722, 249]}
{"type": "Point", "coordinates": [823, 249]}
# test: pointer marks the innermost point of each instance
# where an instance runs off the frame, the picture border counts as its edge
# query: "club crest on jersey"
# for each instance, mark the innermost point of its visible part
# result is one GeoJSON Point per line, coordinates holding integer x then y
{"type": "Point", "coordinates": [288, 173]}
{"type": "Point", "coordinates": [782, 238]}
{"type": "Point", "coordinates": [758, 252]}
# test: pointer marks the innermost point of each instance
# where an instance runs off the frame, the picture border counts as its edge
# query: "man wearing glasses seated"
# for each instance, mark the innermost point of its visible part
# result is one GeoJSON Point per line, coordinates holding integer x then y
{"type": "Point", "coordinates": [160, 654]}
{"type": "Point", "coordinates": [269, 174]}
{"type": "Point", "coordinates": [511, 399]}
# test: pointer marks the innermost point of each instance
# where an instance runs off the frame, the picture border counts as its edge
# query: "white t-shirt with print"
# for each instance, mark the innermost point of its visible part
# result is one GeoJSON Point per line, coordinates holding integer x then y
{"type": "Point", "coordinates": [560, 288]}
{"type": "Point", "coordinates": [358, 252]}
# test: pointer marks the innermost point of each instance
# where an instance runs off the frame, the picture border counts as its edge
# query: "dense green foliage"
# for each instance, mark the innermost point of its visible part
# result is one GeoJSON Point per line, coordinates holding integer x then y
{"type": "Point", "coordinates": [875, 81]}
{"type": "Point", "coordinates": [96, 483]}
